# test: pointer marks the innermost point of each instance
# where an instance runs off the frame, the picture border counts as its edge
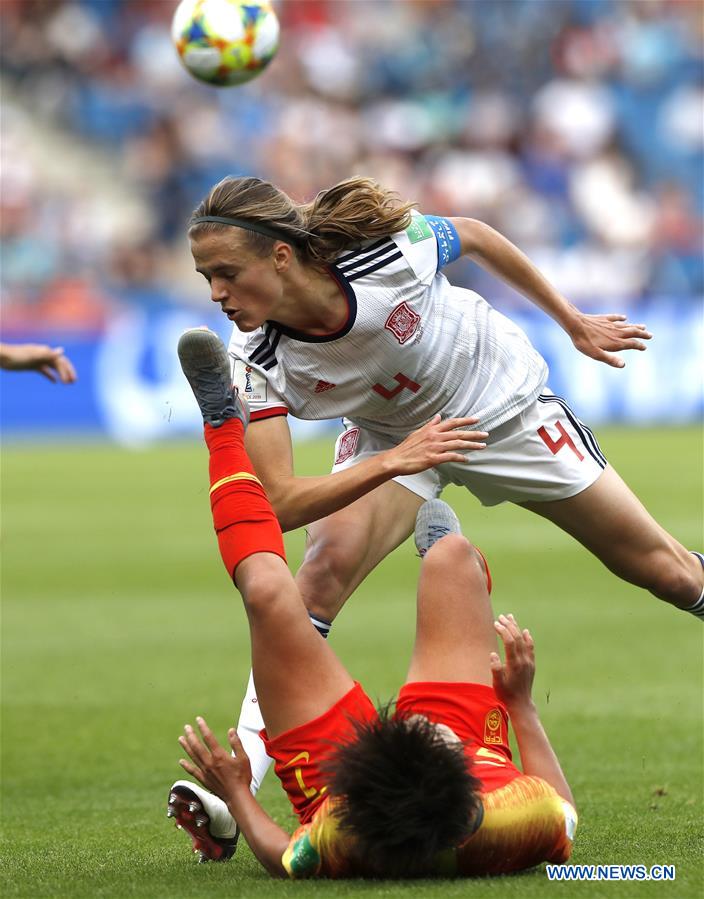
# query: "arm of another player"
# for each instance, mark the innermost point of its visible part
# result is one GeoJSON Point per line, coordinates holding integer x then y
{"type": "Point", "coordinates": [513, 681]}
{"type": "Point", "coordinates": [298, 501]}
{"type": "Point", "coordinates": [229, 778]}
{"type": "Point", "coordinates": [48, 361]}
{"type": "Point", "coordinates": [598, 336]}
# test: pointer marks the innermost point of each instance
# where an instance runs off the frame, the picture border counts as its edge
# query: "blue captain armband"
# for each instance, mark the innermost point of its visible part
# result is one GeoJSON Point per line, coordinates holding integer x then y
{"type": "Point", "coordinates": [447, 238]}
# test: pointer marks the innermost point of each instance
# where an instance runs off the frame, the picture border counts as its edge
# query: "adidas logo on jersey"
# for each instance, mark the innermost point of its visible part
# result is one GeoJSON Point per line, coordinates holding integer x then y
{"type": "Point", "coordinates": [322, 386]}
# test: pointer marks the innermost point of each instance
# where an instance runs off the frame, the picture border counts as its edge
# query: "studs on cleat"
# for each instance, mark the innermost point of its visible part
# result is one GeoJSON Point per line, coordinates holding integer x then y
{"type": "Point", "coordinates": [191, 815]}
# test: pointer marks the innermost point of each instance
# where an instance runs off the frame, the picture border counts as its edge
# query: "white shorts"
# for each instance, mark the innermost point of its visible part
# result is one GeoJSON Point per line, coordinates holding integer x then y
{"type": "Point", "coordinates": [545, 453]}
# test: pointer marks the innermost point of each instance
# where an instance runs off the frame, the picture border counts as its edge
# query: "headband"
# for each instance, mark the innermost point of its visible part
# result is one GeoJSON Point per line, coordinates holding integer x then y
{"type": "Point", "coordinates": [247, 225]}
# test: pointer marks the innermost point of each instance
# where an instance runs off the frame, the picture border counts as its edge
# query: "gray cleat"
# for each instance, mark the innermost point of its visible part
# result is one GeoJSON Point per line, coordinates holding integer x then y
{"type": "Point", "coordinates": [206, 365]}
{"type": "Point", "coordinates": [435, 519]}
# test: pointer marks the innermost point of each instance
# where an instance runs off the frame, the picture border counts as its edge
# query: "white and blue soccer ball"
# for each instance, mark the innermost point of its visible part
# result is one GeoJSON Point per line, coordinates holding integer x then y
{"type": "Point", "coordinates": [225, 42]}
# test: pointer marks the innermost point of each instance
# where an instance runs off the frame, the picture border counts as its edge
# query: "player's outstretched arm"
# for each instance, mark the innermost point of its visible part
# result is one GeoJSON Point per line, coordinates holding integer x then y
{"type": "Point", "coordinates": [229, 778]}
{"type": "Point", "coordinates": [598, 336]}
{"type": "Point", "coordinates": [513, 682]}
{"type": "Point", "coordinates": [48, 361]}
{"type": "Point", "coordinates": [298, 501]}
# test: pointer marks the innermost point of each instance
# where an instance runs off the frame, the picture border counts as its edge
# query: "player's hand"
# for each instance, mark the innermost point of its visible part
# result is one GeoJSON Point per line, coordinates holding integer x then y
{"type": "Point", "coordinates": [48, 361]}
{"type": "Point", "coordinates": [600, 336]}
{"type": "Point", "coordinates": [438, 441]}
{"type": "Point", "coordinates": [513, 679]}
{"type": "Point", "coordinates": [211, 764]}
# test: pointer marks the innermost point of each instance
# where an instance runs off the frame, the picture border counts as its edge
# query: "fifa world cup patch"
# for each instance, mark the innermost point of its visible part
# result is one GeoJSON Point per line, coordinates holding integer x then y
{"type": "Point", "coordinates": [419, 229]}
{"type": "Point", "coordinates": [347, 445]}
{"type": "Point", "coordinates": [403, 322]}
{"type": "Point", "coordinates": [252, 385]}
{"type": "Point", "coordinates": [494, 728]}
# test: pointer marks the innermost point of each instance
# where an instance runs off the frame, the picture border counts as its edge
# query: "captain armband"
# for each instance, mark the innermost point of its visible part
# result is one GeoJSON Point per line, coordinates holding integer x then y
{"type": "Point", "coordinates": [447, 239]}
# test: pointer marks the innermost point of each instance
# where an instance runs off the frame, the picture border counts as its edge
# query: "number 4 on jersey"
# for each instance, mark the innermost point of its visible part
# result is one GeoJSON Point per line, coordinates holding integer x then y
{"type": "Point", "coordinates": [403, 383]}
{"type": "Point", "coordinates": [556, 445]}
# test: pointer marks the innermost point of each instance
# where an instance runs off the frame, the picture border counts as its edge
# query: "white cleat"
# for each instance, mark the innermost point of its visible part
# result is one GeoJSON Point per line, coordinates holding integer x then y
{"type": "Point", "coordinates": [206, 818]}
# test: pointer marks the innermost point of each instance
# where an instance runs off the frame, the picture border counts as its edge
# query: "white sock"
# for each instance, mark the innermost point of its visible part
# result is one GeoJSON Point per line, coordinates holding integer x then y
{"type": "Point", "coordinates": [248, 728]}
{"type": "Point", "coordinates": [698, 608]}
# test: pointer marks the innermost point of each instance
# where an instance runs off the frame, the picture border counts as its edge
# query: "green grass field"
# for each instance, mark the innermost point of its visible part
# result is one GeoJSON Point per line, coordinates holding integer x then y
{"type": "Point", "coordinates": [119, 625]}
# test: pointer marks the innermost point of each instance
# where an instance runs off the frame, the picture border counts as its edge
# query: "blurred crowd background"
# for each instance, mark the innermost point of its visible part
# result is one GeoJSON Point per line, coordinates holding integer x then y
{"type": "Point", "coordinates": [572, 126]}
{"type": "Point", "coordinates": [575, 127]}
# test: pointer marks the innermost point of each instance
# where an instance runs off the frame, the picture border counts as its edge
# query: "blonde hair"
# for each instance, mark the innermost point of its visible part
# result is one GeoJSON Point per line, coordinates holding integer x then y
{"type": "Point", "coordinates": [339, 218]}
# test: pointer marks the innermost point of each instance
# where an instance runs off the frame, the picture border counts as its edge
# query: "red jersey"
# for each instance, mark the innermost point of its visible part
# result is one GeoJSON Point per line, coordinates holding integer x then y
{"type": "Point", "coordinates": [525, 822]}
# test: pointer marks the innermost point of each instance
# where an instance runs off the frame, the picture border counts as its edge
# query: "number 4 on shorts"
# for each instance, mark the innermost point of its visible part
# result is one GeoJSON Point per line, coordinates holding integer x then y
{"type": "Point", "coordinates": [556, 445]}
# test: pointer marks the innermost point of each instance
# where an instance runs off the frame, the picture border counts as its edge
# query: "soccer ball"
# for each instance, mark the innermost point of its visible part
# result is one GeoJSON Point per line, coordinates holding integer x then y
{"type": "Point", "coordinates": [225, 42]}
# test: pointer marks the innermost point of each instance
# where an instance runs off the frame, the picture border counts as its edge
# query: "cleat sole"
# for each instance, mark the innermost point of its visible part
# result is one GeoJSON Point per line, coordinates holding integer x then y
{"type": "Point", "coordinates": [192, 817]}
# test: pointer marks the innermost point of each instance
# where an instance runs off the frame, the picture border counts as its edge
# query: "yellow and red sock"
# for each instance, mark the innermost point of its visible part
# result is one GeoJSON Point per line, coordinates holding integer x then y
{"type": "Point", "coordinates": [242, 514]}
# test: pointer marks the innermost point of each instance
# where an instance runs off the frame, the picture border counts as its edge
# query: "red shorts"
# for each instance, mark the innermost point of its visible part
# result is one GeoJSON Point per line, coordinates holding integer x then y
{"type": "Point", "coordinates": [475, 714]}
{"type": "Point", "coordinates": [299, 752]}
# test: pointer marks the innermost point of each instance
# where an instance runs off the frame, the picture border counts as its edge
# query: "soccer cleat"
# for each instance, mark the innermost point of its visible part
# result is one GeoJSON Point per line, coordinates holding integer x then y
{"type": "Point", "coordinates": [206, 819]}
{"type": "Point", "coordinates": [206, 365]}
{"type": "Point", "coordinates": [435, 519]}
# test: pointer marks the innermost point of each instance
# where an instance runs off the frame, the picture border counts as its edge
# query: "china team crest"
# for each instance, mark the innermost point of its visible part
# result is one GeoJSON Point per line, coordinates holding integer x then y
{"type": "Point", "coordinates": [493, 727]}
{"type": "Point", "coordinates": [403, 323]}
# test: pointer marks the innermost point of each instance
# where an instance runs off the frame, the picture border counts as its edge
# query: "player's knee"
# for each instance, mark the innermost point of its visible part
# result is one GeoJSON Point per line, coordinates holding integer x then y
{"type": "Point", "coordinates": [264, 591]}
{"type": "Point", "coordinates": [674, 577]}
{"type": "Point", "coordinates": [328, 568]}
{"type": "Point", "coordinates": [454, 550]}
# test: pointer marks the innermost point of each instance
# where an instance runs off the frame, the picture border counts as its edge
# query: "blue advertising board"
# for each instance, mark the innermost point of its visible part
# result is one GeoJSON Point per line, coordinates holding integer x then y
{"type": "Point", "coordinates": [131, 389]}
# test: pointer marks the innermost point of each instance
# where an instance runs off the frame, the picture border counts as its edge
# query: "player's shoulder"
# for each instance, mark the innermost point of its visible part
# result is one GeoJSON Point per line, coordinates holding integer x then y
{"type": "Point", "coordinates": [301, 858]}
{"type": "Point", "coordinates": [376, 258]}
{"type": "Point", "coordinates": [520, 790]}
{"type": "Point", "coordinates": [434, 236]}
{"type": "Point", "coordinates": [259, 347]}
{"type": "Point", "coordinates": [318, 847]}
{"type": "Point", "coordinates": [529, 797]}
{"type": "Point", "coordinates": [414, 250]}
{"type": "Point", "coordinates": [525, 822]}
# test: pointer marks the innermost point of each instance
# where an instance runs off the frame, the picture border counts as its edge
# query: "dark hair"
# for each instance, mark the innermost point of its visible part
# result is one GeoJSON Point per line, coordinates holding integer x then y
{"type": "Point", "coordinates": [404, 794]}
{"type": "Point", "coordinates": [342, 217]}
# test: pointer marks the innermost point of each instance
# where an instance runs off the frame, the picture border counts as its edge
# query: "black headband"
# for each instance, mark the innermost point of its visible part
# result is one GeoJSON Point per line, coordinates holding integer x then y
{"type": "Point", "coordinates": [247, 225]}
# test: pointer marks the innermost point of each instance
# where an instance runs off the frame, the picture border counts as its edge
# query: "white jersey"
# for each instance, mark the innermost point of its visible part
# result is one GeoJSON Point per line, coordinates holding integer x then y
{"type": "Point", "coordinates": [413, 345]}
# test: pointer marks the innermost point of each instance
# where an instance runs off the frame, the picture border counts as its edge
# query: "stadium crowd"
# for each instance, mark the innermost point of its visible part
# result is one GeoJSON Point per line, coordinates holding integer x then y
{"type": "Point", "coordinates": [574, 127]}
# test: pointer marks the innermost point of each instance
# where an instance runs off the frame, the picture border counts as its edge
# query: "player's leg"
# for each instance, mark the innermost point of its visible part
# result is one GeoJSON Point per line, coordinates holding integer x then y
{"type": "Point", "coordinates": [300, 676]}
{"type": "Point", "coordinates": [610, 521]}
{"type": "Point", "coordinates": [549, 462]}
{"type": "Point", "coordinates": [342, 549]}
{"type": "Point", "coordinates": [454, 626]}
{"type": "Point", "coordinates": [296, 673]}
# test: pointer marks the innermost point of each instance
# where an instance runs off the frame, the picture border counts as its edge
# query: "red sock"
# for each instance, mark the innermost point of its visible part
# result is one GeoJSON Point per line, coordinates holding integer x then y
{"type": "Point", "coordinates": [243, 517]}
